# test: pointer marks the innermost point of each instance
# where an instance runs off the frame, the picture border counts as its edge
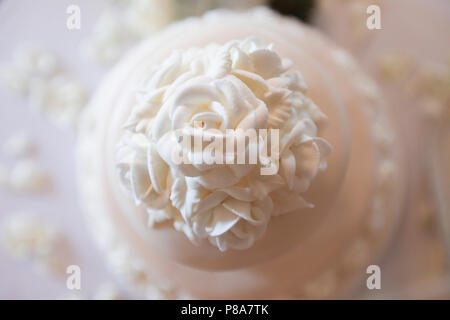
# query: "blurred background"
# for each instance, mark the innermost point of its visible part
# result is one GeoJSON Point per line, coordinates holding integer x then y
{"type": "Point", "coordinates": [50, 65]}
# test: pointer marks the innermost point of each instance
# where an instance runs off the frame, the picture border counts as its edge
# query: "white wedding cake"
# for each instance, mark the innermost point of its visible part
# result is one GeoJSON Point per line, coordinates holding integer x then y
{"type": "Point", "coordinates": [227, 230]}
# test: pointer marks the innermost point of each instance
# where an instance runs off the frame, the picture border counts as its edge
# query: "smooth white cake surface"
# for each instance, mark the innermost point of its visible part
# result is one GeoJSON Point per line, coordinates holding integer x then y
{"type": "Point", "coordinates": [312, 252]}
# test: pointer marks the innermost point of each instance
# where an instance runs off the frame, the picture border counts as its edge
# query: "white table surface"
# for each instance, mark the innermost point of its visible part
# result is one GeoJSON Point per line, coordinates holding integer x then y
{"type": "Point", "coordinates": [43, 23]}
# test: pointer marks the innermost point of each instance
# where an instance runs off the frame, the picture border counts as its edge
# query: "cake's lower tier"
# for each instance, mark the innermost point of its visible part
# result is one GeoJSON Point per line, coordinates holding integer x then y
{"type": "Point", "coordinates": [332, 258]}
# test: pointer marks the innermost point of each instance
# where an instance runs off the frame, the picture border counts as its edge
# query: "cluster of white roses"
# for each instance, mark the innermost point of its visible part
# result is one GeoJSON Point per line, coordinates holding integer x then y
{"type": "Point", "coordinates": [238, 85]}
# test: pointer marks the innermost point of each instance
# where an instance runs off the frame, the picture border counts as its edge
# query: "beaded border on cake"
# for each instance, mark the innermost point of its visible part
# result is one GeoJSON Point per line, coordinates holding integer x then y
{"type": "Point", "coordinates": [358, 256]}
